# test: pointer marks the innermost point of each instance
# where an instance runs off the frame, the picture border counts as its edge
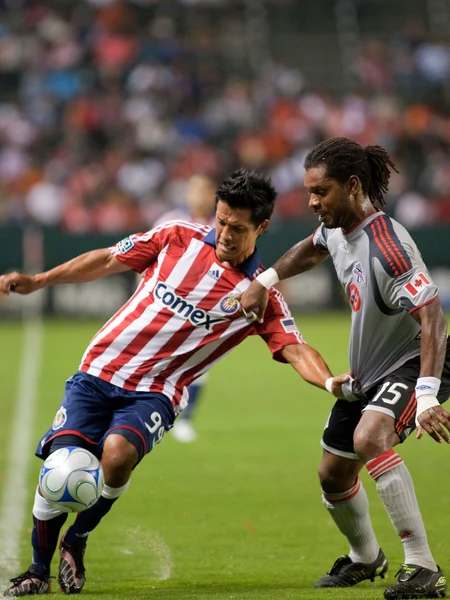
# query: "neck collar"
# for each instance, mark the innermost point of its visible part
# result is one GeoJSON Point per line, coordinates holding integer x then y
{"type": "Point", "coordinates": [249, 266]}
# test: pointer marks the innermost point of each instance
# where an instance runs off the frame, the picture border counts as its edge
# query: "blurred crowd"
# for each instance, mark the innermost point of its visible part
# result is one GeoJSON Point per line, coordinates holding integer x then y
{"type": "Point", "coordinates": [107, 108]}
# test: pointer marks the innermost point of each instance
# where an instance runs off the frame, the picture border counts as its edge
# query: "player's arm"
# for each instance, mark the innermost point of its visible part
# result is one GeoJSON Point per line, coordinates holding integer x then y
{"type": "Point", "coordinates": [311, 366]}
{"type": "Point", "coordinates": [431, 416]}
{"type": "Point", "coordinates": [300, 258]}
{"type": "Point", "coordinates": [81, 269]}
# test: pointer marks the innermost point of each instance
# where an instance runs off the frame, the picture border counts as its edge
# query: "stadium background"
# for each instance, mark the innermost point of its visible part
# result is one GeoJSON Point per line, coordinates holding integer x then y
{"type": "Point", "coordinates": [106, 109]}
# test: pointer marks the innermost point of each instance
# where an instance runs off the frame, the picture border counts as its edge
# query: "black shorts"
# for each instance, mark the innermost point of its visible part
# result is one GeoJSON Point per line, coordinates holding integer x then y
{"type": "Point", "coordinates": [394, 395]}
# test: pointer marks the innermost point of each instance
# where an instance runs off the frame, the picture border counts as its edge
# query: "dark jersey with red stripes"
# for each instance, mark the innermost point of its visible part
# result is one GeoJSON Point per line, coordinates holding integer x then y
{"type": "Point", "coordinates": [385, 279]}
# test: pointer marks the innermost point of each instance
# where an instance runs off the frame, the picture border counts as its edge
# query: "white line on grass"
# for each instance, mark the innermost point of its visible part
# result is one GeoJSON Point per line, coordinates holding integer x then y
{"type": "Point", "coordinates": [13, 505]}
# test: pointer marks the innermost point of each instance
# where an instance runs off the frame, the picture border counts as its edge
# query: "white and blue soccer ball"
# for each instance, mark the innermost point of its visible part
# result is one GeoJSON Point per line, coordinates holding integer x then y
{"type": "Point", "coordinates": [71, 479]}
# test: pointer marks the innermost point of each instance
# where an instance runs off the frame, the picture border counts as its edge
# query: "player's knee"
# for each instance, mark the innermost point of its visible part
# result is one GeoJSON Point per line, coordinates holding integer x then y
{"type": "Point", "coordinates": [118, 459]}
{"type": "Point", "coordinates": [337, 474]}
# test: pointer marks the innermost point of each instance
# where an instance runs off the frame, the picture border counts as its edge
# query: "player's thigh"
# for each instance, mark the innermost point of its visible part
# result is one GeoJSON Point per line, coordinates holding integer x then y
{"type": "Point", "coordinates": [84, 413]}
{"type": "Point", "coordinates": [142, 421]}
{"type": "Point", "coordinates": [337, 438]}
{"type": "Point", "coordinates": [395, 396]}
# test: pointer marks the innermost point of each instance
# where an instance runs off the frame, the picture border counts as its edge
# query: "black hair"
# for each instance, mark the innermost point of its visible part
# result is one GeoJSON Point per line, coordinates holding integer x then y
{"type": "Point", "coordinates": [344, 157]}
{"type": "Point", "coordinates": [253, 190]}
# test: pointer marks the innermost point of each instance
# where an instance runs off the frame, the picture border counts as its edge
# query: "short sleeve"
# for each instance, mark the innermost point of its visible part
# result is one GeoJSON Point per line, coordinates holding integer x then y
{"type": "Point", "coordinates": [139, 250]}
{"type": "Point", "coordinates": [409, 291]}
{"type": "Point", "coordinates": [320, 237]}
{"type": "Point", "coordinates": [278, 329]}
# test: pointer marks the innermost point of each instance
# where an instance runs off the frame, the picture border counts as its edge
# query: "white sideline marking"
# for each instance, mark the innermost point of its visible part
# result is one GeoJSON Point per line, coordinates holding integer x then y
{"type": "Point", "coordinates": [15, 493]}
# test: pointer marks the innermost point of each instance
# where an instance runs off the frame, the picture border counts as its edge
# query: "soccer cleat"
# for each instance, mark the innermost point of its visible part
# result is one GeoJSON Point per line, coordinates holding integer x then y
{"type": "Point", "coordinates": [417, 582]}
{"type": "Point", "coordinates": [71, 568]}
{"type": "Point", "coordinates": [346, 573]}
{"type": "Point", "coordinates": [29, 583]}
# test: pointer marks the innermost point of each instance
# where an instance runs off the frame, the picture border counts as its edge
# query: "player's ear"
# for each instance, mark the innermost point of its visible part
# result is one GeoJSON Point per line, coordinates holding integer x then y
{"type": "Point", "coordinates": [263, 227]}
{"type": "Point", "coordinates": [353, 185]}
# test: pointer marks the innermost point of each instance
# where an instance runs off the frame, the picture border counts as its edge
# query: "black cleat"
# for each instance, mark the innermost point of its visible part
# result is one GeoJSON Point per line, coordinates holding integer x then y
{"type": "Point", "coordinates": [29, 583]}
{"type": "Point", "coordinates": [417, 582]}
{"type": "Point", "coordinates": [345, 573]}
{"type": "Point", "coordinates": [71, 568]}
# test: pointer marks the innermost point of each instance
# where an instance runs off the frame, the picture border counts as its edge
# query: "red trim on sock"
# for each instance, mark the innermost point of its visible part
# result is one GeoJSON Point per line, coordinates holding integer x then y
{"type": "Point", "coordinates": [348, 495]}
{"type": "Point", "coordinates": [383, 463]}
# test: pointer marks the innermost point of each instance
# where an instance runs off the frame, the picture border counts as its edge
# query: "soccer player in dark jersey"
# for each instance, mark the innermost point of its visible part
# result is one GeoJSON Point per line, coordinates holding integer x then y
{"type": "Point", "coordinates": [399, 360]}
{"type": "Point", "coordinates": [134, 375]}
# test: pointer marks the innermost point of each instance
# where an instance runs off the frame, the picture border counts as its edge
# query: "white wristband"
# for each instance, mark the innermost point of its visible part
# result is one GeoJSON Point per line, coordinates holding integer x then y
{"type": "Point", "coordinates": [328, 384]}
{"type": "Point", "coordinates": [424, 403]}
{"type": "Point", "coordinates": [268, 278]}
{"type": "Point", "coordinates": [426, 386]}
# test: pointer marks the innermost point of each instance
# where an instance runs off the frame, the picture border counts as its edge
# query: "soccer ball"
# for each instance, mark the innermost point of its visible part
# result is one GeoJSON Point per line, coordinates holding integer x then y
{"type": "Point", "coordinates": [71, 479]}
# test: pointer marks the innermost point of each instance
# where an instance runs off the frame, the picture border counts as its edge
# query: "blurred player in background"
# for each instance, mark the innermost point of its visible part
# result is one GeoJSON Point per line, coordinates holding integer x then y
{"type": "Point", "coordinates": [200, 208]}
{"type": "Point", "coordinates": [399, 359]}
{"type": "Point", "coordinates": [134, 375]}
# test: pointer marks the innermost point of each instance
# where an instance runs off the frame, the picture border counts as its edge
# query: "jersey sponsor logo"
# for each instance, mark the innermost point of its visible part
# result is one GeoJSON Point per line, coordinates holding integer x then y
{"type": "Point", "coordinates": [419, 282]}
{"type": "Point", "coordinates": [358, 272]}
{"type": "Point", "coordinates": [343, 246]}
{"type": "Point", "coordinates": [289, 325]}
{"type": "Point", "coordinates": [180, 306]}
{"type": "Point", "coordinates": [60, 418]}
{"type": "Point", "coordinates": [229, 305]}
{"type": "Point", "coordinates": [354, 298]}
{"type": "Point", "coordinates": [125, 245]}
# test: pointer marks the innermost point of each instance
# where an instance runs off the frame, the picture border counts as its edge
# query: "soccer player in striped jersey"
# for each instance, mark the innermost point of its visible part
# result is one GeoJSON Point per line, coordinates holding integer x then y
{"type": "Point", "coordinates": [200, 208]}
{"type": "Point", "coordinates": [134, 375]}
{"type": "Point", "coordinates": [399, 360]}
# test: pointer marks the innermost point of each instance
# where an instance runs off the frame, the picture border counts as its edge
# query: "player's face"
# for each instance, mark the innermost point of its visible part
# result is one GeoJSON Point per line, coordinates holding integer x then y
{"type": "Point", "coordinates": [330, 200]}
{"type": "Point", "coordinates": [235, 233]}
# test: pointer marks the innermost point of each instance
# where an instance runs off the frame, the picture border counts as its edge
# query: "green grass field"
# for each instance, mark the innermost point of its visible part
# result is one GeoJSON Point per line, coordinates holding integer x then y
{"type": "Point", "coordinates": [238, 513]}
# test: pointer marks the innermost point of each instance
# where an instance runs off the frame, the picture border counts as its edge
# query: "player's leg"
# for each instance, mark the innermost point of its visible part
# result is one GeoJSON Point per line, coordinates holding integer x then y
{"type": "Point", "coordinates": [183, 429]}
{"type": "Point", "coordinates": [387, 420]}
{"type": "Point", "coordinates": [346, 500]}
{"type": "Point", "coordinates": [136, 427]}
{"type": "Point", "coordinates": [84, 417]}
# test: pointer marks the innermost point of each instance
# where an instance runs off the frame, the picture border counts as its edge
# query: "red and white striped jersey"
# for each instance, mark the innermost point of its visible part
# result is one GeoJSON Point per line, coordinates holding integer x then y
{"type": "Point", "coordinates": [183, 317]}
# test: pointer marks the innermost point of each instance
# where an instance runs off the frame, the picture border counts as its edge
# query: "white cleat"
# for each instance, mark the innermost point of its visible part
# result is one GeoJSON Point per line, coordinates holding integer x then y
{"type": "Point", "coordinates": [183, 431]}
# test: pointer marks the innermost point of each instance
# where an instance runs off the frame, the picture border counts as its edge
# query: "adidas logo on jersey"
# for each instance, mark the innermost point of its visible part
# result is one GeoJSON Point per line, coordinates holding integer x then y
{"type": "Point", "coordinates": [177, 304]}
{"type": "Point", "coordinates": [214, 273]}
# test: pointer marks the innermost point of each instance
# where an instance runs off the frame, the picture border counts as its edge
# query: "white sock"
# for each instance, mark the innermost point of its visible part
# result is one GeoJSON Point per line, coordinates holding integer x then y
{"type": "Point", "coordinates": [396, 490]}
{"type": "Point", "coordinates": [350, 512]}
{"type": "Point", "coordinates": [42, 509]}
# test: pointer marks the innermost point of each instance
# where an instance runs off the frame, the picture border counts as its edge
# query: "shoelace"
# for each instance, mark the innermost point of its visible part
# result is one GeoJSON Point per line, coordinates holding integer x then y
{"type": "Point", "coordinates": [404, 568]}
{"type": "Point", "coordinates": [29, 575]}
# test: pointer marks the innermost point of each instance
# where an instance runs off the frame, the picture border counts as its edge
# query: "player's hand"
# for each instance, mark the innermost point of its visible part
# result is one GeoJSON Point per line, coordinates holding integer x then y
{"type": "Point", "coordinates": [349, 390]}
{"type": "Point", "coordinates": [436, 422]}
{"type": "Point", "coordinates": [336, 384]}
{"type": "Point", "coordinates": [254, 300]}
{"type": "Point", "coordinates": [17, 283]}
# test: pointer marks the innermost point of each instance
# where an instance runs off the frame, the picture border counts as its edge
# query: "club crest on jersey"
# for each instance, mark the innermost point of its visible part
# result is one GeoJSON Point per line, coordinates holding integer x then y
{"type": "Point", "coordinates": [125, 245]}
{"type": "Point", "coordinates": [229, 305]}
{"type": "Point", "coordinates": [358, 272]}
{"type": "Point", "coordinates": [60, 418]}
{"type": "Point", "coordinates": [354, 298]}
{"type": "Point", "coordinates": [180, 306]}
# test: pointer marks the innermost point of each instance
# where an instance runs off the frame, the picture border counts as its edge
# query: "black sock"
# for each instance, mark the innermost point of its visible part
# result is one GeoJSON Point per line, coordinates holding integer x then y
{"type": "Point", "coordinates": [44, 539]}
{"type": "Point", "coordinates": [88, 520]}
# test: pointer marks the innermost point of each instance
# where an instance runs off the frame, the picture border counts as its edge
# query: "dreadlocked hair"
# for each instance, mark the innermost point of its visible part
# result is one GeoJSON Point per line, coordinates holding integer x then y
{"type": "Point", "coordinates": [344, 157]}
